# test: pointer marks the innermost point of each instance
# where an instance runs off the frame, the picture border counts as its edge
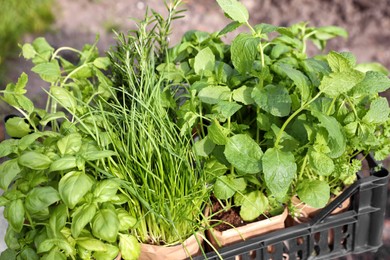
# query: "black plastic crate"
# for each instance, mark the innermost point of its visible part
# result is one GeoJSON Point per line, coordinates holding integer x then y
{"type": "Point", "coordinates": [357, 230]}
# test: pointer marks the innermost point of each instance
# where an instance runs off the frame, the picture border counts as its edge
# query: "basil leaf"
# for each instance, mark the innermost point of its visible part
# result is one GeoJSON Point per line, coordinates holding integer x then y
{"type": "Point", "coordinates": [279, 170]}
{"type": "Point", "coordinates": [126, 221]}
{"type": "Point", "coordinates": [105, 190]}
{"type": "Point", "coordinates": [8, 171]}
{"type": "Point", "coordinates": [15, 214]}
{"type": "Point", "coordinates": [105, 225]}
{"type": "Point", "coordinates": [315, 193]}
{"type": "Point", "coordinates": [70, 144]}
{"type": "Point", "coordinates": [129, 246]}
{"type": "Point", "coordinates": [40, 198]}
{"type": "Point", "coordinates": [73, 186]}
{"type": "Point", "coordinates": [81, 217]}
{"type": "Point", "coordinates": [111, 252]}
{"type": "Point", "coordinates": [17, 127]}
{"type": "Point", "coordinates": [244, 153]}
{"type": "Point", "coordinates": [34, 160]}
{"type": "Point", "coordinates": [91, 244]}
{"type": "Point", "coordinates": [65, 163]}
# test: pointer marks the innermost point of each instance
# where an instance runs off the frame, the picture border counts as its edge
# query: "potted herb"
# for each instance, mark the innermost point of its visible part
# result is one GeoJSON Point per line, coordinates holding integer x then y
{"type": "Point", "coordinates": [272, 123]}
{"type": "Point", "coordinates": [60, 201]}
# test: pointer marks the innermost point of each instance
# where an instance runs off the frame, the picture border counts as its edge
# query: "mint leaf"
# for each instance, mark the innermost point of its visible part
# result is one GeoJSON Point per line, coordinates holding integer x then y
{"type": "Point", "coordinates": [373, 82]}
{"type": "Point", "coordinates": [48, 71]}
{"type": "Point", "coordinates": [338, 83]}
{"type": "Point", "coordinates": [315, 193]}
{"type": "Point", "coordinates": [321, 163]}
{"type": "Point", "coordinates": [217, 133]}
{"type": "Point", "coordinates": [229, 28]}
{"type": "Point", "coordinates": [254, 204]}
{"type": "Point", "coordinates": [279, 170]}
{"type": "Point", "coordinates": [214, 94]}
{"type": "Point", "coordinates": [244, 153]}
{"type": "Point", "coordinates": [243, 95]}
{"type": "Point", "coordinates": [338, 62]}
{"type": "Point", "coordinates": [204, 60]}
{"type": "Point", "coordinates": [64, 97]}
{"type": "Point", "coordinates": [235, 10]}
{"type": "Point", "coordinates": [299, 79]}
{"type": "Point", "coordinates": [378, 112]}
{"type": "Point", "coordinates": [226, 108]}
{"type": "Point", "coordinates": [273, 99]}
{"type": "Point", "coordinates": [336, 138]}
{"type": "Point", "coordinates": [244, 52]}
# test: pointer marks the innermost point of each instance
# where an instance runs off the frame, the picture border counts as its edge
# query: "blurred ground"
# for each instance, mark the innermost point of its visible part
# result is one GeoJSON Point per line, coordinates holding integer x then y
{"type": "Point", "coordinates": [78, 22]}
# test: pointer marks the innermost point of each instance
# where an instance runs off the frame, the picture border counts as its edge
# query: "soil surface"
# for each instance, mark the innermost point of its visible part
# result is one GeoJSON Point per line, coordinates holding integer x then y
{"type": "Point", "coordinates": [78, 22]}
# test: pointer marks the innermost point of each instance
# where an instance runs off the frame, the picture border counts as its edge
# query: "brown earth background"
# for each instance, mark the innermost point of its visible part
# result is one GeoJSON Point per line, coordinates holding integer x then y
{"type": "Point", "coordinates": [78, 21]}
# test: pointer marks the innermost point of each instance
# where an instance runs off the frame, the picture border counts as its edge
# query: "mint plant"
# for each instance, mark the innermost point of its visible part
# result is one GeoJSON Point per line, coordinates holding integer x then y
{"type": "Point", "coordinates": [271, 122]}
{"type": "Point", "coordinates": [60, 200]}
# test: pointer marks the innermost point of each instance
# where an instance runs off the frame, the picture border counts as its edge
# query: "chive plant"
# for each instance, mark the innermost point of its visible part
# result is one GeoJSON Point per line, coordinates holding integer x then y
{"type": "Point", "coordinates": [165, 187]}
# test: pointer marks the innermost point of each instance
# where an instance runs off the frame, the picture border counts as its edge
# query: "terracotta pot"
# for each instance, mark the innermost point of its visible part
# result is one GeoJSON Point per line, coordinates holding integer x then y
{"type": "Point", "coordinates": [227, 237]}
{"type": "Point", "coordinates": [189, 247]}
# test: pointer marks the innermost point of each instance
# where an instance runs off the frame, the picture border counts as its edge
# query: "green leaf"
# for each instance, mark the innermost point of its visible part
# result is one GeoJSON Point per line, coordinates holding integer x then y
{"type": "Point", "coordinates": [91, 244]}
{"type": "Point", "coordinates": [81, 217]}
{"type": "Point", "coordinates": [34, 160]}
{"type": "Point", "coordinates": [244, 51]}
{"type": "Point", "coordinates": [8, 254]}
{"type": "Point", "coordinates": [64, 163]}
{"type": "Point", "coordinates": [73, 186]}
{"type": "Point", "coordinates": [373, 82]}
{"type": "Point", "coordinates": [273, 99]}
{"type": "Point", "coordinates": [15, 212]}
{"type": "Point", "coordinates": [244, 153]}
{"type": "Point", "coordinates": [235, 10]}
{"type": "Point", "coordinates": [204, 147]}
{"type": "Point", "coordinates": [28, 253]}
{"type": "Point", "coordinates": [48, 71]}
{"type": "Point", "coordinates": [217, 133]}
{"type": "Point", "coordinates": [336, 137]}
{"type": "Point", "coordinates": [97, 155]}
{"type": "Point", "coordinates": [40, 198]}
{"type": "Point", "coordinates": [315, 193]}
{"type": "Point", "coordinates": [61, 243]}
{"type": "Point", "coordinates": [27, 140]}
{"type": "Point", "coordinates": [52, 117]}
{"type": "Point", "coordinates": [338, 83]}
{"type": "Point", "coordinates": [378, 112]}
{"type": "Point", "coordinates": [223, 188]}
{"type": "Point", "coordinates": [229, 28]}
{"type": "Point", "coordinates": [204, 60]}
{"type": "Point", "coordinates": [58, 218]}
{"type": "Point", "coordinates": [226, 108]}
{"type": "Point", "coordinates": [372, 66]}
{"type": "Point", "coordinates": [299, 79]}
{"type": "Point", "coordinates": [214, 168]}
{"type": "Point", "coordinates": [105, 225]}
{"type": "Point", "coordinates": [111, 252]}
{"type": "Point", "coordinates": [8, 147]}
{"type": "Point", "coordinates": [126, 221]}
{"type": "Point", "coordinates": [70, 144]}
{"type": "Point", "coordinates": [105, 190]}
{"type": "Point", "coordinates": [214, 94]}
{"type": "Point", "coordinates": [28, 51]}
{"type": "Point", "coordinates": [321, 163]}
{"type": "Point", "coordinates": [64, 97]}
{"type": "Point", "coordinates": [8, 171]}
{"type": "Point", "coordinates": [279, 170]}
{"type": "Point", "coordinates": [338, 62]}
{"type": "Point", "coordinates": [254, 204]}
{"type": "Point", "coordinates": [129, 246]}
{"type": "Point", "coordinates": [102, 62]}
{"type": "Point", "coordinates": [17, 127]}
{"type": "Point", "coordinates": [243, 94]}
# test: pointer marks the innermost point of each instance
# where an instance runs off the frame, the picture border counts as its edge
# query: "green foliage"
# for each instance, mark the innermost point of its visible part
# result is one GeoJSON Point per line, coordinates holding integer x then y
{"type": "Point", "coordinates": [59, 199]}
{"type": "Point", "coordinates": [269, 119]}
{"type": "Point", "coordinates": [18, 18]}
